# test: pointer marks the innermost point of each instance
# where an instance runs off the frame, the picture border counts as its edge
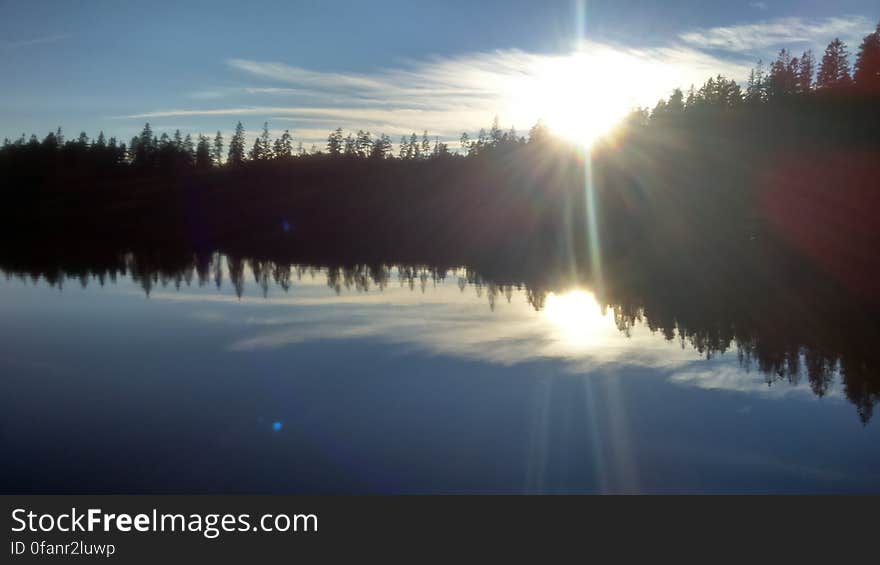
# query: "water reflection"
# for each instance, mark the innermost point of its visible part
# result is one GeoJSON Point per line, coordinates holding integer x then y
{"type": "Point", "coordinates": [804, 338]}
{"type": "Point", "coordinates": [214, 373]}
{"type": "Point", "coordinates": [579, 319]}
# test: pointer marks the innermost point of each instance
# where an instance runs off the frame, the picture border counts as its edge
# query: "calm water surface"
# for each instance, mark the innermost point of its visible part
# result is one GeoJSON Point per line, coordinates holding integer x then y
{"type": "Point", "coordinates": [341, 384]}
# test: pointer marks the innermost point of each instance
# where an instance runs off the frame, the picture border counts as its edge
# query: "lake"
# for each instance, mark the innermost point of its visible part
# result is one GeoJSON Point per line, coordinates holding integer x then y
{"type": "Point", "coordinates": [231, 375]}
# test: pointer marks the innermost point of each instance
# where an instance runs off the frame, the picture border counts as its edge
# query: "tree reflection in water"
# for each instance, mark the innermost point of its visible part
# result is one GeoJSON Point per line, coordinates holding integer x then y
{"type": "Point", "coordinates": [792, 329]}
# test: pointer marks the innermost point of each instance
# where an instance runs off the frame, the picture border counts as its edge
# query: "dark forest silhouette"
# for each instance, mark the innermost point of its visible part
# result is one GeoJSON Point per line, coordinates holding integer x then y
{"type": "Point", "coordinates": [789, 81]}
{"type": "Point", "coordinates": [728, 216]}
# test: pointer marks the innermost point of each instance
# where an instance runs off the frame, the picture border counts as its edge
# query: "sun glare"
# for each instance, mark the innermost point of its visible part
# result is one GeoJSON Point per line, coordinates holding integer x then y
{"type": "Point", "coordinates": [578, 318]}
{"type": "Point", "coordinates": [580, 97]}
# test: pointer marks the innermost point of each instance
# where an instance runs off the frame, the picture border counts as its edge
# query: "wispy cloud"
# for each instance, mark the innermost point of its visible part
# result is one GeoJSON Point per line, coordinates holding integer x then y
{"type": "Point", "coordinates": [758, 6]}
{"type": "Point", "coordinates": [752, 37]}
{"type": "Point", "coordinates": [227, 91]}
{"type": "Point", "coordinates": [30, 42]}
{"type": "Point", "coordinates": [297, 75]}
{"type": "Point", "coordinates": [732, 377]}
{"type": "Point", "coordinates": [274, 90]}
{"type": "Point", "coordinates": [448, 94]}
{"type": "Point", "coordinates": [208, 94]}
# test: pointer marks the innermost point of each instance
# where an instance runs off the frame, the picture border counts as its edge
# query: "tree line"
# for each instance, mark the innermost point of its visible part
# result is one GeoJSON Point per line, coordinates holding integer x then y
{"type": "Point", "coordinates": [148, 151]}
{"type": "Point", "coordinates": [787, 76]}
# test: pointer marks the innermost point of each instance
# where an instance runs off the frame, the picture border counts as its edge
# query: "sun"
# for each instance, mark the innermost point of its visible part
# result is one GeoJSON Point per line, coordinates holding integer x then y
{"type": "Point", "coordinates": [580, 96]}
{"type": "Point", "coordinates": [577, 317]}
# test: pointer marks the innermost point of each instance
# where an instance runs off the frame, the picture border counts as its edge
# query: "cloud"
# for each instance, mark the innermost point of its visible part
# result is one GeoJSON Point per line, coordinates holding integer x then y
{"type": "Point", "coordinates": [447, 95]}
{"type": "Point", "coordinates": [297, 75]}
{"type": "Point", "coordinates": [33, 41]}
{"type": "Point", "coordinates": [208, 94]}
{"type": "Point", "coordinates": [281, 91]}
{"type": "Point", "coordinates": [759, 6]}
{"type": "Point", "coordinates": [732, 377]}
{"type": "Point", "coordinates": [225, 92]}
{"type": "Point", "coordinates": [753, 37]}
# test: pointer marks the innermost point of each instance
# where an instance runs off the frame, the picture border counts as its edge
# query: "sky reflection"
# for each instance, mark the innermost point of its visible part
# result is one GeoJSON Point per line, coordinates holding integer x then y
{"type": "Point", "coordinates": [415, 385]}
{"type": "Point", "coordinates": [469, 321]}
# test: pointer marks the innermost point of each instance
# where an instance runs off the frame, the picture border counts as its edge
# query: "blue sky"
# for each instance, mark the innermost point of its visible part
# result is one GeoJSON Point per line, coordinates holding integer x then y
{"type": "Point", "coordinates": [385, 66]}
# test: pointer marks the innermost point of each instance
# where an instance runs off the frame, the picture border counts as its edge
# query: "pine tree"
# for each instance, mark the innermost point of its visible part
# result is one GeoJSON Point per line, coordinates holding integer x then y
{"type": "Point", "coordinates": [805, 72]}
{"type": "Point", "coordinates": [760, 85]}
{"type": "Point", "coordinates": [659, 110]}
{"type": "Point", "coordinates": [236, 147]}
{"type": "Point", "coordinates": [363, 143]}
{"type": "Point", "coordinates": [256, 152]}
{"type": "Point", "coordinates": [834, 68]}
{"type": "Point", "coordinates": [334, 143]}
{"type": "Point", "coordinates": [783, 76]}
{"type": "Point", "coordinates": [719, 91]}
{"type": "Point", "coordinates": [50, 142]}
{"type": "Point", "coordinates": [414, 150]}
{"type": "Point", "coordinates": [284, 146]}
{"type": "Point", "coordinates": [349, 146]}
{"type": "Point", "coordinates": [495, 133]}
{"type": "Point", "coordinates": [133, 146]}
{"type": "Point", "coordinates": [204, 155]}
{"type": "Point", "coordinates": [217, 150]}
{"type": "Point", "coordinates": [731, 93]}
{"type": "Point", "coordinates": [381, 147]}
{"type": "Point", "coordinates": [866, 73]}
{"type": "Point", "coordinates": [676, 102]}
{"type": "Point", "coordinates": [266, 143]}
{"type": "Point", "coordinates": [425, 149]}
{"type": "Point", "coordinates": [539, 133]}
{"type": "Point", "coordinates": [166, 153]}
{"type": "Point", "coordinates": [143, 147]}
{"type": "Point", "coordinates": [188, 149]}
{"type": "Point", "coordinates": [691, 99]}
{"type": "Point", "coordinates": [262, 148]}
{"type": "Point", "coordinates": [465, 142]}
{"type": "Point", "coordinates": [147, 136]}
{"type": "Point", "coordinates": [441, 150]}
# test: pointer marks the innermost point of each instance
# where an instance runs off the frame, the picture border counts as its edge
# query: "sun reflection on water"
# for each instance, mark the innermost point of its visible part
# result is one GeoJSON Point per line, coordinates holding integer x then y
{"type": "Point", "coordinates": [577, 317]}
